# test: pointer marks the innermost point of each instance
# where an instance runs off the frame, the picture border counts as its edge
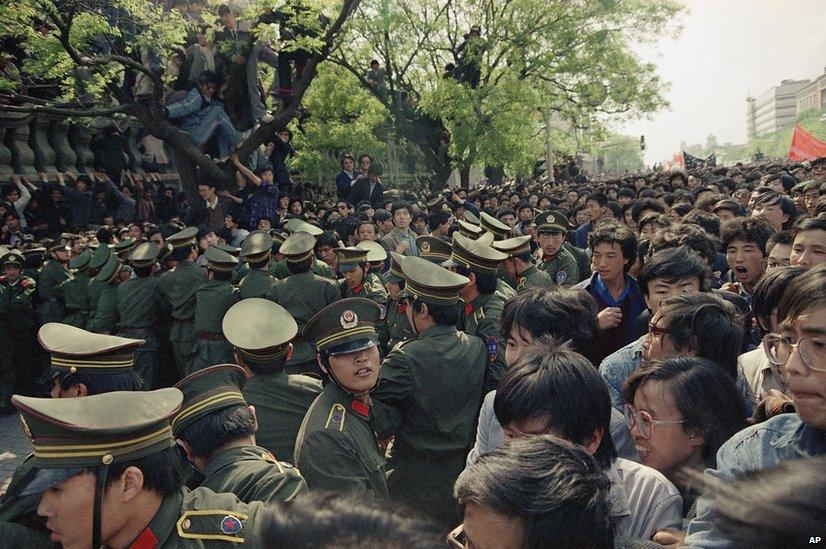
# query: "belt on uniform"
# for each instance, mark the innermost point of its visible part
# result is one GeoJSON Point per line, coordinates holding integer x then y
{"type": "Point", "coordinates": [211, 337]}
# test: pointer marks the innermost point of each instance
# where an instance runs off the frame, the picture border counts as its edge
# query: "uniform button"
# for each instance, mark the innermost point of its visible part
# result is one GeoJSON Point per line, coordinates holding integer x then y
{"type": "Point", "coordinates": [186, 524]}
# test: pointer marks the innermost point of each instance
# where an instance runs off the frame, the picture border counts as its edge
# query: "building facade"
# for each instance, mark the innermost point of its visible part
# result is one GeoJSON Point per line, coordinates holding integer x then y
{"type": "Point", "coordinates": [774, 110]}
{"type": "Point", "coordinates": [812, 95]}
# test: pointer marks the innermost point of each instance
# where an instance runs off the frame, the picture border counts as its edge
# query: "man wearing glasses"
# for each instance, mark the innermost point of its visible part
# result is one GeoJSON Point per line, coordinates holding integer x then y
{"type": "Point", "coordinates": [800, 348]}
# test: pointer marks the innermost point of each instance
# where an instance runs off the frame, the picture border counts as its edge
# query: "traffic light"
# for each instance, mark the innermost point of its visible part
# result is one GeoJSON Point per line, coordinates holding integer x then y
{"type": "Point", "coordinates": [642, 142]}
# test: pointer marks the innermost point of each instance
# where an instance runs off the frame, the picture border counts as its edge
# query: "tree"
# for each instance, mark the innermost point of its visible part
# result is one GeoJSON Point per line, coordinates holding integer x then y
{"type": "Point", "coordinates": [573, 58]}
{"type": "Point", "coordinates": [621, 154]}
{"type": "Point", "coordinates": [93, 45]}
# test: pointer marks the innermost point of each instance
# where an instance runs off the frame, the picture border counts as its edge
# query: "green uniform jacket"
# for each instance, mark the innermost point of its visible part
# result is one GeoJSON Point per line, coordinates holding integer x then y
{"type": "Point", "coordinates": [212, 301]}
{"type": "Point", "coordinates": [371, 288]}
{"type": "Point", "coordinates": [534, 278]}
{"type": "Point", "coordinates": [178, 289]}
{"type": "Point", "coordinates": [255, 284]}
{"type": "Point", "coordinates": [17, 338]}
{"type": "Point", "coordinates": [562, 268]}
{"type": "Point", "coordinates": [200, 519]}
{"type": "Point", "coordinates": [139, 303]}
{"type": "Point", "coordinates": [281, 401]}
{"type": "Point", "coordinates": [92, 296]}
{"type": "Point", "coordinates": [303, 295]}
{"type": "Point", "coordinates": [104, 319]}
{"type": "Point", "coordinates": [19, 521]}
{"type": "Point", "coordinates": [504, 290]}
{"type": "Point", "coordinates": [480, 318]}
{"type": "Point", "coordinates": [280, 271]}
{"type": "Point", "coordinates": [74, 292]}
{"type": "Point", "coordinates": [336, 448]}
{"type": "Point", "coordinates": [253, 474]}
{"type": "Point", "coordinates": [51, 308]}
{"type": "Point", "coordinates": [583, 260]}
{"type": "Point", "coordinates": [395, 328]}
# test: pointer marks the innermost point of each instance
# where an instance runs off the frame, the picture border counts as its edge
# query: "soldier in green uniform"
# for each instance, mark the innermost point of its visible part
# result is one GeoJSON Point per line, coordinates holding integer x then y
{"type": "Point", "coordinates": [99, 258]}
{"type": "Point", "coordinates": [499, 230]}
{"type": "Point", "coordinates": [469, 230]}
{"type": "Point", "coordinates": [18, 371]}
{"type": "Point", "coordinates": [140, 310]}
{"type": "Point", "coordinates": [352, 263]}
{"type": "Point", "coordinates": [376, 258]}
{"type": "Point", "coordinates": [429, 393]}
{"type": "Point", "coordinates": [53, 273]}
{"type": "Point", "coordinates": [482, 307]}
{"type": "Point", "coordinates": [124, 438]}
{"type": "Point", "coordinates": [336, 448]}
{"type": "Point", "coordinates": [256, 250]}
{"type": "Point", "coordinates": [82, 364]}
{"type": "Point", "coordinates": [104, 319]}
{"type": "Point", "coordinates": [434, 249]}
{"type": "Point", "coordinates": [74, 290]}
{"type": "Point", "coordinates": [396, 327]}
{"type": "Point", "coordinates": [556, 260]}
{"type": "Point", "coordinates": [33, 262]}
{"type": "Point", "coordinates": [178, 287]}
{"type": "Point", "coordinates": [122, 248]}
{"type": "Point", "coordinates": [216, 430]}
{"type": "Point", "coordinates": [320, 268]}
{"type": "Point", "coordinates": [519, 264]}
{"type": "Point", "coordinates": [260, 331]}
{"type": "Point", "coordinates": [212, 301]}
{"type": "Point", "coordinates": [303, 294]}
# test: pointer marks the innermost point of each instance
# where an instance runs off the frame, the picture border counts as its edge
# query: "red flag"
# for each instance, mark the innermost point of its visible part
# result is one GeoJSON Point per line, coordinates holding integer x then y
{"type": "Point", "coordinates": [805, 146]}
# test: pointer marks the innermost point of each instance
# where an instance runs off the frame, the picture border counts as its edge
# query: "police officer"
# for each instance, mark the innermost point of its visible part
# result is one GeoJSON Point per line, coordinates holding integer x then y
{"type": "Point", "coordinates": [377, 259]}
{"type": "Point", "coordinates": [178, 287]}
{"type": "Point", "coordinates": [18, 371]}
{"type": "Point", "coordinates": [99, 258]}
{"type": "Point", "coordinates": [75, 289]}
{"type": "Point", "coordinates": [140, 310]}
{"type": "Point", "coordinates": [303, 294]}
{"type": "Point", "coordinates": [479, 315]}
{"type": "Point", "coordinates": [336, 448]}
{"type": "Point", "coordinates": [499, 230]}
{"type": "Point", "coordinates": [519, 264]}
{"type": "Point", "coordinates": [557, 261]}
{"type": "Point", "coordinates": [260, 332]}
{"type": "Point", "coordinates": [104, 319]}
{"type": "Point", "coordinates": [33, 262]}
{"type": "Point", "coordinates": [53, 273]}
{"type": "Point", "coordinates": [256, 250]}
{"type": "Point", "coordinates": [296, 225]}
{"type": "Point", "coordinates": [430, 392]}
{"type": "Point", "coordinates": [396, 327]}
{"type": "Point", "coordinates": [212, 301]}
{"type": "Point", "coordinates": [216, 429]}
{"type": "Point", "coordinates": [352, 263]}
{"type": "Point", "coordinates": [124, 437]}
{"type": "Point", "coordinates": [468, 229]}
{"type": "Point", "coordinates": [434, 249]}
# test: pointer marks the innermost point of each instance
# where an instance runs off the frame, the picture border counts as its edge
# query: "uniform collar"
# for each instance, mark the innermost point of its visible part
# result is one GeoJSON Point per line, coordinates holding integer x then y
{"type": "Point", "coordinates": [526, 273]}
{"type": "Point", "coordinates": [230, 456]}
{"type": "Point", "coordinates": [358, 289]}
{"type": "Point", "coordinates": [162, 524]}
{"type": "Point", "coordinates": [344, 398]}
{"type": "Point", "coordinates": [477, 303]}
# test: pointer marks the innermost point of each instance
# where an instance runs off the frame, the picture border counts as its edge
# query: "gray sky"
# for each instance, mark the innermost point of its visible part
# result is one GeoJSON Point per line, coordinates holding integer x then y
{"type": "Point", "coordinates": [728, 49]}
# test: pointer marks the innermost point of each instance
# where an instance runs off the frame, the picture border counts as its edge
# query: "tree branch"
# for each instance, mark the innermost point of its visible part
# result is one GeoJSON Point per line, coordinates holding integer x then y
{"type": "Point", "coordinates": [59, 111]}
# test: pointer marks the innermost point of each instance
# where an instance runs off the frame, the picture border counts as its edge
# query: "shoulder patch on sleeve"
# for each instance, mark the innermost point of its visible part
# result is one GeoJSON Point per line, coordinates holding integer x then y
{"type": "Point", "coordinates": [382, 311]}
{"type": "Point", "coordinates": [492, 347]}
{"type": "Point", "coordinates": [561, 276]}
{"type": "Point", "coordinates": [212, 524]}
{"type": "Point", "coordinates": [335, 419]}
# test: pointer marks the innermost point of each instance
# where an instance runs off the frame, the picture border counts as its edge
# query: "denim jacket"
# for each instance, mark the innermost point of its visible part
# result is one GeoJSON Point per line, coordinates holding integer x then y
{"type": "Point", "coordinates": [616, 368]}
{"type": "Point", "coordinates": [758, 447]}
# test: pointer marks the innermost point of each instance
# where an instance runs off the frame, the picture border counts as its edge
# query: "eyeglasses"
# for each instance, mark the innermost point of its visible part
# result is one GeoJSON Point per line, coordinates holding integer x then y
{"type": "Point", "coordinates": [655, 330]}
{"type": "Point", "coordinates": [812, 351]}
{"type": "Point", "coordinates": [456, 537]}
{"type": "Point", "coordinates": [644, 422]}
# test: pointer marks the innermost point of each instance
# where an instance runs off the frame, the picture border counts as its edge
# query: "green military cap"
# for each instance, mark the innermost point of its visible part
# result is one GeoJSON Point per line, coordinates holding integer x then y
{"type": "Point", "coordinates": [12, 258]}
{"type": "Point", "coordinates": [260, 330]}
{"type": "Point", "coordinates": [4, 250]}
{"type": "Point", "coordinates": [234, 251]}
{"type": "Point", "coordinates": [435, 203]}
{"type": "Point", "coordinates": [209, 390]}
{"type": "Point", "coordinates": [143, 255]}
{"type": "Point", "coordinates": [430, 283]}
{"type": "Point", "coordinates": [256, 247]}
{"type": "Point", "coordinates": [70, 434]}
{"type": "Point", "coordinates": [349, 258]}
{"type": "Point", "coordinates": [469, 229]}
{"type": "Point", "coordinates": [184, 238]}
{"type": "Point", "coordinates": [493, 225]}
{"type": "Point", "coordinates": [100, 257]}
{"type": "Point", "coordinates": [81, 261]}
{"type": "Point", "coordinates": [57, 246]}
{"type": "Point", "coordinates": [551, 222]}
{"type": "Point", "coordinates": [395, 273]}
{"type": "Point", "coordinates": [298, 247]}
{"type": "Point", "coordinates": [433, 249]}
{"type": "Point", "coordinates": [518, 245]}
{"type": "Point", "coordinates": [471, 218]}
{"type": "Point", "coordinates": [345, 326]}
{"type": "Point", "coordinates": [476, 255]}
{"type": "Point", "coordinates": [278, 237]}
{"type": "Point", "coordinates": [32, 253]}
{"type": "Point", "coordinates": [219, 260]}
{"type": "Point", "coordinates": [109, 271]}
{"type": "Point", "coordinates": [164, 252]}
{"type": "Point", "coordinates": [123, 247]}
{"type": "Point", "coordinates": [376, 254]}
{"type": "Point", "coordinates": [295, 225]}
{"type": "Point", "coordinates": [75, 350]}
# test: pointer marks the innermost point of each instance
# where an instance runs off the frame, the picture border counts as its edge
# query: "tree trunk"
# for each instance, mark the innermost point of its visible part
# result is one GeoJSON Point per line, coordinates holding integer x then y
{"type": "Point", "coordinates": [464, 175]}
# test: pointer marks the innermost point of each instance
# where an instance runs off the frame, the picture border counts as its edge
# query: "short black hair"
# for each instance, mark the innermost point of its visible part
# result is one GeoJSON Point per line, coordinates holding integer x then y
{"type": "Point", "coordinates": [400, 206]}
{"type": "Point", "coordinates": [437, 217]}
{"type": "Point", "coordinates": [770, 288]}
{"type": "Point", "coordinates": [673, 264]}
{"type": "Point", "coordinates": [708, 399]}
{"type": "Point", "coordinates": [807, 291]}
{"type": "Point", "coordinates": [443, 315]}
{"type": "Point", "coordinates": [598, 197]}
{"type": "Point", "coordinates": [550, 378]}
{"type": "Point", "coordinates": [182, 253]}
{"type": "Point", "coordinates": [162, 471]}
{"type": "Point", "coordinates": [485, 282]}
{"type": "Point", "coordinates": [709, 222]}
{"type": "Point", "coordinates": [687, 235]}
{"type": "Point", "coordinates": [554, 487]}
{"type": "Point", "coordinates": [817, 223]}
{"type": "Point", "coordinates": [755, 230]}
{"type": "Point", "coordinates": [97, 384]}
{"type": "Point", "coordinates": [644, 204]}
{"type": "Point", "coordinates": [614, 233]}
{"type": "Point", "coordinates": [301, 266]}
{"type": "Point", "coordinates": [214, 430]}
{"type": "Point", "coordinates": [783, 237]}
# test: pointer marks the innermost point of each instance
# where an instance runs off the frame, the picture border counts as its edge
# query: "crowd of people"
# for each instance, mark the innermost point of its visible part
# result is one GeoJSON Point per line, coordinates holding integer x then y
{"type": "Point", "coordinates": [527, 364]}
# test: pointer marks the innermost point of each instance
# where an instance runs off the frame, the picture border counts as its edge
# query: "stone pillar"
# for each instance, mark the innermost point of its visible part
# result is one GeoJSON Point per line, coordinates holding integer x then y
{"type": "Point", "coordinates": [79, 139]}
{"type": "Point", "coordinates": [17, 141]}
{"type": "Point", "coordinates": [5, 155]}
{"type": "Point", "coordinates": [44, 156]}
{"type": "Point", "coordinates": [65, 157]}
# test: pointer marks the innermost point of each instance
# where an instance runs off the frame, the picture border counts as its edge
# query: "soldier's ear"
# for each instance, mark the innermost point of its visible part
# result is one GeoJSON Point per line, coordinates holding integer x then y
{"type": "Point", "coordinates": [254, 418]}
{"type": "Point", "coordinates": [321, 364]}
{"type": "Point", "coordinates": [131, 483]}
{"type": "Point", "coordinates": [82, 390]}
{"type": "Point", "coordinates": [187, 450]}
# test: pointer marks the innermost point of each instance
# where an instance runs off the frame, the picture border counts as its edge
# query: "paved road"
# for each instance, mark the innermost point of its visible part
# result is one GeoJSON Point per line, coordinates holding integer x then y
{"type": "Point", "coordinates": [13, 448]}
